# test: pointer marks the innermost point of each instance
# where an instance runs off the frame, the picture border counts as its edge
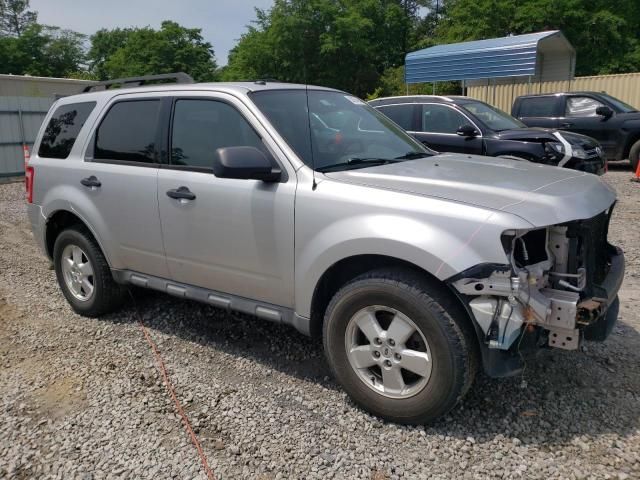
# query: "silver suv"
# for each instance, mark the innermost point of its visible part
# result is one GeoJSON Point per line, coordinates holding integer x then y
{"type": "Point", "coordinates": [305, 206]}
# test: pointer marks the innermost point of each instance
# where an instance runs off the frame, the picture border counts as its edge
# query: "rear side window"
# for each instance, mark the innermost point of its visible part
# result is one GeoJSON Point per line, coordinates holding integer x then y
{"type": "Point", "coordinates": [401, 114]}
{"type": "Point", "coordinates": [128, 132]}
{"type": "Point", "coordinates": [63, 128]}
{"type": "Point", "coordinates": [537, 107]}
{"type": "Point", "coordinates": [200, 127]}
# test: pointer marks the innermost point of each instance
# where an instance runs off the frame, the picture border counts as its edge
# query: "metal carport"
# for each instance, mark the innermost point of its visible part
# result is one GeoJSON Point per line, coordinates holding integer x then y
{"type": "Point", "coordinates": [541, 56]}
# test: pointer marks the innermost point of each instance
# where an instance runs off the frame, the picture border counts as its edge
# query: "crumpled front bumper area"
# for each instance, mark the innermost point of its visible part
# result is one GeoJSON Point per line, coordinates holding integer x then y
{"type": "Point", "coordinates": [600, 329]}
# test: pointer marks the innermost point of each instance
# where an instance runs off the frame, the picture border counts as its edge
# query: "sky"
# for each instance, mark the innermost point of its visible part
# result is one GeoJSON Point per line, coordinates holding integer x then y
{"type": "Point", "coordinates": [222, 22]}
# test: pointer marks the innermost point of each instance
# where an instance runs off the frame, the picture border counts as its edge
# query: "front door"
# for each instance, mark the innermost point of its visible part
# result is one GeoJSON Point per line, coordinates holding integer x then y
{"type": "Point", "coordinates": [580, 117]}
{"type": "Point", "coordinates": [439, 124]}
{"type": "Point", "coordinates": [233, 236]}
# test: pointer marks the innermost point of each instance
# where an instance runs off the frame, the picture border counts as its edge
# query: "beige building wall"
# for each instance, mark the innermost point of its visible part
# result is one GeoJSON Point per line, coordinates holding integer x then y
{"type": "Point", "coordinates": [626, 87]}
{"type": "Point", "coordinates": [26, 86]}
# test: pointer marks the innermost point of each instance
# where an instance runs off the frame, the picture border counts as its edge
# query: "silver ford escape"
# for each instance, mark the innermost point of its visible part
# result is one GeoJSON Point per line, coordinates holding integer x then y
{"type": "Point", "coordinates": [305, 206]}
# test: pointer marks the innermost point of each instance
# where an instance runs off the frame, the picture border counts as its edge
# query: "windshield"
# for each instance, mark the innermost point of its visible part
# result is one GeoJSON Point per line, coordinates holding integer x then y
{"type": "Point", "coordinates": [492, 117]}
{"type": "Point", "coordinates": [345, 131]}
{"type": "Point", "coordinates": [624, 107]}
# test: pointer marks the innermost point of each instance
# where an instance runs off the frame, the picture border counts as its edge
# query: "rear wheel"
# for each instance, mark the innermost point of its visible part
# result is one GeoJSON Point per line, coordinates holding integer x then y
{"type": "Point", "coordinates": [83, 273]}
{"type": "Point", "coordinates": [634, 155]}
{"type": "Point", "coordinates": [399, 346]}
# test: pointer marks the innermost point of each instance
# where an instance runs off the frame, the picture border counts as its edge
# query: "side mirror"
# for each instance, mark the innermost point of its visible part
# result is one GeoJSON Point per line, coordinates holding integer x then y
{"type": "Point", "coordinates": [604, 111]}
{"type": "Point", "coordinates": [467, 131]}
{"type": "Point", "coordinates": [245, 163]}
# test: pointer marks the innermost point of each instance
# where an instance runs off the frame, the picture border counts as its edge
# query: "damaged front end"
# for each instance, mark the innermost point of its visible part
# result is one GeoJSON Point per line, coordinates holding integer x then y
{"type": "Point", "coordinates": [560, 288]}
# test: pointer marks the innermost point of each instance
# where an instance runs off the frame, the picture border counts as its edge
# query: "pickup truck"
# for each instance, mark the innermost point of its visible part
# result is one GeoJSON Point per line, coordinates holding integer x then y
{"type": "Point", "coordinates": [612, 122]}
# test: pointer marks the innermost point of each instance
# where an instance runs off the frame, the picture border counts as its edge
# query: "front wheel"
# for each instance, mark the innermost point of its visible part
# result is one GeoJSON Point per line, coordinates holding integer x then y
{"type": "Point", "coordinates": [399, 346]}
{"type": "Point", "coordinates": [634, 155]}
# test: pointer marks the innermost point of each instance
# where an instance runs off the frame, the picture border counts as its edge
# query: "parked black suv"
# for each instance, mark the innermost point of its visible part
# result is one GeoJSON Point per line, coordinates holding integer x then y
{"type": "Point", "coordinates": [610, 121]}
{"type": "Point", "coordinates": [466, 125]}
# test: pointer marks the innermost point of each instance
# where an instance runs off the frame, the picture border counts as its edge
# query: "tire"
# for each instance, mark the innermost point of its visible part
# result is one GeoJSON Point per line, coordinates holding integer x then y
{"type": "Point", "coordinates": [105, 295]}
{"type": "Point", "coordinates": [439, 321]}
{"type": "Point", "coordinates": [634, 155]}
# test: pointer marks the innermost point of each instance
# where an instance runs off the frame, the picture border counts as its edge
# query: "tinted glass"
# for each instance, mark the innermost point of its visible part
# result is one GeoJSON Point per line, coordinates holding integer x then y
{"type": "Point", "coordinates": [338, 129]}
{"type": "Point", "coordinates": [492, 117]}
{"type": "Point", "coordinates": [582, 106]}
{"type": "Point", "coordinates": [202, 126]}
{"type": "Point", "coordinates": [537, 107]}
{"type": "Point", "coordinates": [441, 119]}
{"type": "Point", "coordinates": [128, 132]}
{"type": "Point", "coordinates": [63, 128]}
{"type": "Point", "coordinates": [624, 107]}
{"type": "Point", "coordinates": [401, 114]}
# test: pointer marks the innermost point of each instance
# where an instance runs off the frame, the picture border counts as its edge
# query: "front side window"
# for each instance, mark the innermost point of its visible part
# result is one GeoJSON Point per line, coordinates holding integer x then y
{"type": "Point", "coordinates": [537, 107]}
{"type": "Point", "coordinates": [336, 131]}
{"type": "Point", "coordinates": [441, 119]}
{"type": "Point", "coordinates": [401, 114]}
{"type": "Point", "coordinates": [493, 118]}
{"type": "Point", "coordinates": [582, 106]}
{"type": "Point", "coordinates": [128, 132]}
{"type": "Point", "coordinates": [63, 129]}
{"type": "Point", "coordinates": [200, 127]}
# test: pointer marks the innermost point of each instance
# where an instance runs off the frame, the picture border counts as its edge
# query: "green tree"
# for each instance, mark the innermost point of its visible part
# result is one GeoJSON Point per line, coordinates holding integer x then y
{"type": "Point", "coordinates": [15, 17]}
{"type": "Point", "coordinates": [145, 51]}
{"type": "Point", "coordinates": [105, 43]}
{"type": "Point", "coordinates": [604, 33]}
{"type": "Point", "coordinates": [42, 51]}
{"type": "Point", "coordinates": [346, 44]}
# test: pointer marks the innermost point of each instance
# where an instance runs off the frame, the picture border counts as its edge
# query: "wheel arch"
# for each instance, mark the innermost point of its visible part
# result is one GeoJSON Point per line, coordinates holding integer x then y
{"type": "Point", "coordinates": [346, 269]}
{"type": "Point", "coordinates": [630, 141]}
{"type": "Point", "coordinates": [60, 220]}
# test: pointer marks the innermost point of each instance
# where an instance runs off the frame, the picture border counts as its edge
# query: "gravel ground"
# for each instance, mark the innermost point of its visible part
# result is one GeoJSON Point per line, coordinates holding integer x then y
{"type": "Point", "coordinates": [82, 398]}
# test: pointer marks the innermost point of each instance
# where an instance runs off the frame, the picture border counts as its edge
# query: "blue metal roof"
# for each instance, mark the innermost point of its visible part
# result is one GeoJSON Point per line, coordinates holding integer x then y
{"type": "Point", "coordinates": [496, 57]}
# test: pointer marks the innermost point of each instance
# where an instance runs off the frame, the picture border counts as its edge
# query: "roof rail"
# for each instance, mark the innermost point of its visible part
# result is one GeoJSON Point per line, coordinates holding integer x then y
{"type": "Point", "coordinates": [179, 77]}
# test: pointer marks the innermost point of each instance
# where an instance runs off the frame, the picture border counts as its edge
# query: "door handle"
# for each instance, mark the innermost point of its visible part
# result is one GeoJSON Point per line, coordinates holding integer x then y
{"type": "Point", "coordinates": [91, 182]}
{"type": "Point", "coordinates": [566, 125]}
{"type": "Point", "coordinates": [181, 193]}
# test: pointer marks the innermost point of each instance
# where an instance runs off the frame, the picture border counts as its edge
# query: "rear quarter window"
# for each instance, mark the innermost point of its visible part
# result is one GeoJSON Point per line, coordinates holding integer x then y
{"type": "Point", "coordinates": [537, 107]}
{"type": "Point", "coordinates": [63, 129]}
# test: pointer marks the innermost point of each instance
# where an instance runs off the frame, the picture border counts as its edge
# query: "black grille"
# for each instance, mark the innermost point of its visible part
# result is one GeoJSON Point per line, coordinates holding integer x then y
{"type": "Point", "coordinates": [589, 248]}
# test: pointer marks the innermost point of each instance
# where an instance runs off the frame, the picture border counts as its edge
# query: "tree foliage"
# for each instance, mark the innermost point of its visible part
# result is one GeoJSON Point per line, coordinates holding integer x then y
{"type": "Point", "coordinates": [42, 51]}
{"type": "Point", "coordinates": [345, 44]}
{"type": "Point", "coordinates": [15, 17]}
{"type": "Point", "coordinates": [145, 51]}
{"type": "Point", "coordinates": [605, 34]}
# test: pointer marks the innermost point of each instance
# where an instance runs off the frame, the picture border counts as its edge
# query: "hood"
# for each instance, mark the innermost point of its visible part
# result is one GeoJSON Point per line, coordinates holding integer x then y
{"type": "Point", "coordinates": [539, 134]}
{"type": "Point", "coordinates": [540, 194]}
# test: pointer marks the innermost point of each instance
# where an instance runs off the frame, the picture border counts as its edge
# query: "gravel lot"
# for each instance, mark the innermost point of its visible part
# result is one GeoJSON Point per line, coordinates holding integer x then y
{"type": "Point", "coordinates": [82, 398]}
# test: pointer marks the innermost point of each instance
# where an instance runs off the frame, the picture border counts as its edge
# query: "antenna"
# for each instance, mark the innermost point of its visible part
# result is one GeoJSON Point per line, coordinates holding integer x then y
{"type": "Point", "coordinates": [314, 184]}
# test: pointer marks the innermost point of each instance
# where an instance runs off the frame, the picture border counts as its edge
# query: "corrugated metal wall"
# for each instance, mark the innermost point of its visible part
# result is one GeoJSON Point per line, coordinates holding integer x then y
{"type": "Point", "coordinates": [20, 119]}
{"type": "Point", "coordinates": [626, 87]}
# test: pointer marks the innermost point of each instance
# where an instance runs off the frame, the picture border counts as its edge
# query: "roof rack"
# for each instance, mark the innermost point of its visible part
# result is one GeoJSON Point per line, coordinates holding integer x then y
{"type": "Point", "coordinates": [179, 77]}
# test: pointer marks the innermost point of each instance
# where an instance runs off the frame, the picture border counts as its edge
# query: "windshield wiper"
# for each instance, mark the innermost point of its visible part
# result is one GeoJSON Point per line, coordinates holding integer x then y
{"type": "Point", "coordinates": [412, 155]}
{"type": "Point", "coordinates": [357, 161]}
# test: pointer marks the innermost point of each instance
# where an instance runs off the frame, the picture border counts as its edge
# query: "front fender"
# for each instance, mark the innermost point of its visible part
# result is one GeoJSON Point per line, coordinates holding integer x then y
{"type": "Point", "coordinates": [442, 253]}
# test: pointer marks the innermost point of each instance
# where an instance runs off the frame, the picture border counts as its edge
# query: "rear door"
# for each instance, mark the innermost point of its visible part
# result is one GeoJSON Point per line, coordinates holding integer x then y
{"type": "Point", "coordinates": [540, 111]}
{"type": "Point", "coordinates": [403, 114]}
{"type": "Point", "coordinates": [117, 184]}
{"type": "Point", "coordinates": [438, 126]}
{"type": "Point", "coordinates": [234, 236]}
